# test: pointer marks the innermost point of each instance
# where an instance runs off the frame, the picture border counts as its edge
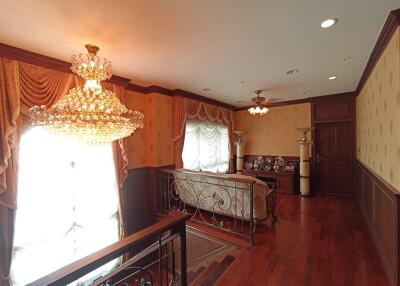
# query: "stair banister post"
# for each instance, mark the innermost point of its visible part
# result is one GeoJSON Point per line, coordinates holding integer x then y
{"type": "Point", "coordinates": [182, 233]}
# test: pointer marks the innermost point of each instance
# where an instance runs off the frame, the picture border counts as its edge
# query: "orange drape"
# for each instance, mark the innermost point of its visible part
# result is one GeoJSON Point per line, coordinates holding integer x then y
{"type": "Point", "coordinates": [40, 86]}
{"type": "Point", "coordinates": [187, 108]}
{"type": "Point", "coordinates": [178, 128]}
{"type": "Point", "coordinates": [10, 124]}
{"type": "Point", "coordinates": [22, 86]}
{"type": "Point", "coordinates": [120, 156]}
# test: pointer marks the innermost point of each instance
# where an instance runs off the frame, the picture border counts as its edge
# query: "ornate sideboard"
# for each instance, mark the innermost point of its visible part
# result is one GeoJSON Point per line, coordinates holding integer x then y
{"type": "Point", "coordinates": [283, 181]}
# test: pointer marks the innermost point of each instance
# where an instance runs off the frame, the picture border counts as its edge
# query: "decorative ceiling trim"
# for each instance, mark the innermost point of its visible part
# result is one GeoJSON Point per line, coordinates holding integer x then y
{"type": "Point", "coordinates": [187, 94]}
{"type": "Point", "coordinates": [391, 24]}
{"type": "Point", "coordinates": [22, 55]}
{"type": "Point", "coordinates": [149, 89]}
{"type": "Point", "coordinates": [177, 92]}
{"type": "Point", "coordinates": [306, 100]}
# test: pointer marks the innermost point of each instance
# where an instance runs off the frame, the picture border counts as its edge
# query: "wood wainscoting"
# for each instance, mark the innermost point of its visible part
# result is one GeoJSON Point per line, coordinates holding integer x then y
{"type": "Point", "coordinates": [141, 201]}
{"type": "Point", "coordinates": [379, 203]}
{"type": "Point", "coordinates": [141, 197]}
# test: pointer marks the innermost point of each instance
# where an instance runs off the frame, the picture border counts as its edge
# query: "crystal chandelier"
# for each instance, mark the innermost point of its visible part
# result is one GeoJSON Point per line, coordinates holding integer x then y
{"type": "Point", "coordinates": [258, 105]}
{"type": "Point", "coordinates": [89, 114]}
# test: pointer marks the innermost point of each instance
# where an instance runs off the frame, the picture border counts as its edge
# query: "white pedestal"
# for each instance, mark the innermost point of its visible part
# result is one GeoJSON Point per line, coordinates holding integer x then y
{"type": "Point", "coordinates": [239, 156]}
{"type": "Point", "coordinates": [304, 168]}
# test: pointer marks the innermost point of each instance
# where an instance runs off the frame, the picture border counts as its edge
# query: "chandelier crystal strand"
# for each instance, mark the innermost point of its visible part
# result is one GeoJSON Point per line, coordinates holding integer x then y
{"type": "Point", "coordinates": [90, 115]}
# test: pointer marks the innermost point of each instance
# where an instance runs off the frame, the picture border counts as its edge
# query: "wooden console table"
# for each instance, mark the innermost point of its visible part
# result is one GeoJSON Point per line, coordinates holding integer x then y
{"type": "Point", "coordinates": [285, 181]}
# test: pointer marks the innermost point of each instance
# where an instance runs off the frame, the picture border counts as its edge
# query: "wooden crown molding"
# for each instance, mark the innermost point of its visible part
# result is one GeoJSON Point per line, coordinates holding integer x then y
{"type": "Point", "coordinates": [25, 56]}
{"type": "Point", "coordinates": [187, 94]}
{"type": "Point", "coordinates": [177, 92]}
{"type": "Point", "coordinates": [313, 99]}
{"type": "Point", "coordinates": [391, 24]}
{"type": "Point", "coordinates": [149, 89]}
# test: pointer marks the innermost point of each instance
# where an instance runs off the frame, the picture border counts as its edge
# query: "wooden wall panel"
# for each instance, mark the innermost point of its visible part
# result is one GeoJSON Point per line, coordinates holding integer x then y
{"type": "Point", "coordinates": [141, 201]}
{"type": "Point", "coordinates": [141, 197]}
{"type": "Point", "coordinates": [136, 198]}
{"type": "Point", "coordinates": [333, 110]}
{"type": "Point", "coordinates": [379, 203]}
{"type": "Point", "coordinates": [154, 181]}
{"type": "Point", "coordinates": [368, 197]}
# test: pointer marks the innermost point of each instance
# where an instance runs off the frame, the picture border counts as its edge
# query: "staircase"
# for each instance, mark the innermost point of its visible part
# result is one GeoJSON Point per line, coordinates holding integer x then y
{"type": "Point", "coordinates": [205, 271]}
{"type": "Point", "coordinates": [208, 273]}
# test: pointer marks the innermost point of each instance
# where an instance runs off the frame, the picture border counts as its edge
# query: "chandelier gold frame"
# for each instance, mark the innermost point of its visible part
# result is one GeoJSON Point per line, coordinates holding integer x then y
{"type": "Point", "coordinates": [89, 113]}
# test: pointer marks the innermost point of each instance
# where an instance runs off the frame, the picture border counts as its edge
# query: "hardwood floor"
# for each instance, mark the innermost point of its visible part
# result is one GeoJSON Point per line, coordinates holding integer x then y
{"type": "Point", "coordinates": [316, 241]}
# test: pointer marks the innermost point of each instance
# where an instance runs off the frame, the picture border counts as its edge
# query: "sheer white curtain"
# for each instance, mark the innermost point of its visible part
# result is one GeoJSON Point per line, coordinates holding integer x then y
{"type": "Point", "coordinates": [206, 146]}
{"type": "Point", "coordinates": [67, 205]}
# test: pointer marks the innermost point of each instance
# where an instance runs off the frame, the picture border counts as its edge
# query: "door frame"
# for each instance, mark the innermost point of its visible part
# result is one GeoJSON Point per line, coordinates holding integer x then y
{"type": "Point", "coordinates": [352, 157]}
{"type": "Point", "coordinates": [346, 118]}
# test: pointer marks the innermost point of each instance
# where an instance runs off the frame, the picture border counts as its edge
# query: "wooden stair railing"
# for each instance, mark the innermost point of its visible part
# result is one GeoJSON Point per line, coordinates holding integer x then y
{"type": "Point", "coordinates": [174, 225]}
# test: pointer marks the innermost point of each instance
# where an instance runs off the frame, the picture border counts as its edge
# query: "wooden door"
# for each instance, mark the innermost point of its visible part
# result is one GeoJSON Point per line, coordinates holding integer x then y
{"type": "Point", "coordinates": [334, 161]}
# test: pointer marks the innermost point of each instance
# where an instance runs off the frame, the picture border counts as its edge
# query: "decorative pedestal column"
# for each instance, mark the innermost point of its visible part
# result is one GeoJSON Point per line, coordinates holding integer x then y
{"type": "Point", "coordinates": [239, 143]}
{"type": "Point", "coordinates": [304, 145]}
{"type": "Point", "coordinates": [304, 168]}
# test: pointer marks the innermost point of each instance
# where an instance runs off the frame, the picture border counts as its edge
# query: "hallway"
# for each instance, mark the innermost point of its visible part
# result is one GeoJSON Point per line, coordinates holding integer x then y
{"type": "Point", "coordinates": [317, 241]}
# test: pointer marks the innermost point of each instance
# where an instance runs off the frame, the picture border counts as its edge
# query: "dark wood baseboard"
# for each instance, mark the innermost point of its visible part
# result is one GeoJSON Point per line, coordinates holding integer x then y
{"type": "Point", "coordinates": [379, 203]}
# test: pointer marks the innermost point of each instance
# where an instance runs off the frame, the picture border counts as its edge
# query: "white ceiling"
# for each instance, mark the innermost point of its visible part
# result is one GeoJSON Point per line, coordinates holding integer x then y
{"type": "Point", "coordinates": [192, 45]}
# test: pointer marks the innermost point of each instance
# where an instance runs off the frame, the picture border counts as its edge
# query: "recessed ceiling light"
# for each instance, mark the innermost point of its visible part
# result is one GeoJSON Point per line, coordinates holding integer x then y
{"type": "Point", "coordinates": [206, 89]}
{"type": "Point", "coordinates": [332, 77]}
{"type": "Point", "coordinates": [293, 71]}
{"type": "Point", "coordinates": [328, 23]}
{"type": "Point", "coordinates": [347, 58]}
{"type": "Point", "coordinates": [307, 92]}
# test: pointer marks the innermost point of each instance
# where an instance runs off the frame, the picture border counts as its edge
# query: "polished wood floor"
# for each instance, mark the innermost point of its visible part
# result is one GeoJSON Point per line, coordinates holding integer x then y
{"type": "Point", "coordinates": [318, 241]}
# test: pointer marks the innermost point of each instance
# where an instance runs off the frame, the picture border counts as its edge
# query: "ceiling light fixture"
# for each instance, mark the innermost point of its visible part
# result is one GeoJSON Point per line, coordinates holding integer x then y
{"type": "Point", "coordinates": [332, 77]}
{"type": "Point", "coordinates": [292, 72]}
{"type": "Point", "coordinates": [89, 114]}
{"type": "Point", "coordinates": [329, 23]}
{"type": "Point", "coordinates": [259, 107]}
{"type": "Point", "coordinates": [206, 89]}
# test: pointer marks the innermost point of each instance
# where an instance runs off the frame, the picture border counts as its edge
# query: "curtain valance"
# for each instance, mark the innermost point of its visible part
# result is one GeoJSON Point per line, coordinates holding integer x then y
{"type": "Point", "coordinates": [188, 108]}
{"type": "Point", "coordinates": [206, 111]}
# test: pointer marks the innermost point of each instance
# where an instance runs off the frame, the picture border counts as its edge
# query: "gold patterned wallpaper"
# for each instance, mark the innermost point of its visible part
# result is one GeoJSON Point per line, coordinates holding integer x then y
{"type": "Point", "coordinates": [274, 133]}
{"type": "Point", "coordinates": [378, 116]}
{"type": "Point", "coordinates": [152, 145]}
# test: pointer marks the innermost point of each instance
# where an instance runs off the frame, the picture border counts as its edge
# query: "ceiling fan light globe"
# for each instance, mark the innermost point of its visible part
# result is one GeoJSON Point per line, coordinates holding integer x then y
{"type": "Point", "coordinates": [264, 110]}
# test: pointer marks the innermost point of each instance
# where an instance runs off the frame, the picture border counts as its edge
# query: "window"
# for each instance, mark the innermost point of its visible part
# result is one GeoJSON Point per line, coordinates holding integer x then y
{"type": "Point", "coordinates": [206, 146]}
{"type": "Point", "coordinates": [67, 205]}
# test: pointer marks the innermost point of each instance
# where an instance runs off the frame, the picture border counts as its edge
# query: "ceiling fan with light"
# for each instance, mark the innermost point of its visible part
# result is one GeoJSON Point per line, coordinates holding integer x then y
{"type": "Point", "coordinates": [259, 104]}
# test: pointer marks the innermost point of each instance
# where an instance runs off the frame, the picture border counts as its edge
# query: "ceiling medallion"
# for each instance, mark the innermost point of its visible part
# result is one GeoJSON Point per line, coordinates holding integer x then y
{"type": "Point", "coordinates": [259, 107]}
{"type": "Point", "coordinates": [90, 114]}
